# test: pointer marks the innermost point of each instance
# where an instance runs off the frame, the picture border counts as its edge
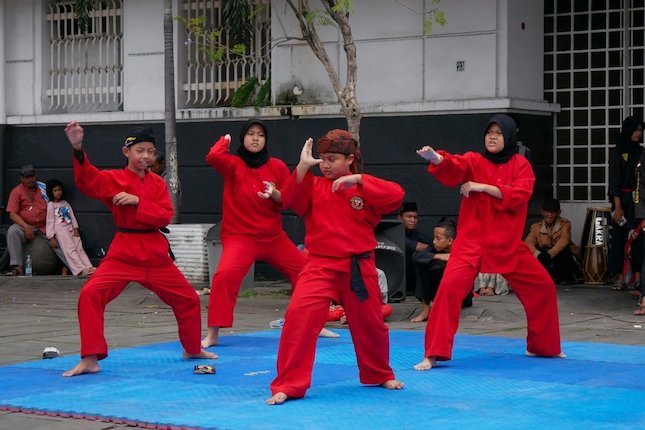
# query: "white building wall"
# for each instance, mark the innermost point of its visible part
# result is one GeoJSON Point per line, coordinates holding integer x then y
{"type": "Point", "coordinates": [143, 55]}
{"type": "Point", "coordinates": [525, 48]}
{"type": "Point", "coordinates": [397, 64]}
{"type": "Point", "coordinates": [18, 25]}
{"type": "Point", "coordinates": [400, 70]}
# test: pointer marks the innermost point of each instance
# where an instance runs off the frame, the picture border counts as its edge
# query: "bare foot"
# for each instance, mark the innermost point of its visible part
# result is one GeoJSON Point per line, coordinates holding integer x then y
{"type": "Point", "coordinates": [426, 364]}
{"type": "Point", "coordinates": [327, 333]}
{"type": "Point", "coordinates": [423, 316]}
{"type": "Point", "coordinates": [393, 384]}
{"type": "Point", "coordinates": [212, 338]}
{"type": "Point", "coordinates": [88, 364]}
{"type": "Point", "coordinates": [532, 354]}
{"type": "Point", "coordinates": [277, 399]}
{"type": "Point", "coordinates": [343, 320]}
{"type": "Point", "coordinates": [202, 354]}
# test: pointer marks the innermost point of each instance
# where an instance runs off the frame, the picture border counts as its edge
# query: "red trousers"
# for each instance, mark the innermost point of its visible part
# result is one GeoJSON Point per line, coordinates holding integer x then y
{"type": "Point", "coordinates": [109, 280]}
{"type": "Point", "coordinates": [530, 282]}
{"type": "Point", "coordinates": [238, 254]}
{"type": "Point", "coordinates": [306, 315]}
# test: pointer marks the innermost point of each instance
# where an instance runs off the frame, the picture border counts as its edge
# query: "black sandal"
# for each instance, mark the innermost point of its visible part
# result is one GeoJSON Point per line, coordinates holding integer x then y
{"type": "Point", "coordinates": [12, 272]}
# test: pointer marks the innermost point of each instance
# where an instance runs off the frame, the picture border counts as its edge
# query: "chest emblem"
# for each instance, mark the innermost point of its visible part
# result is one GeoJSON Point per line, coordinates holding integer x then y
{"type": "Point", "coordinates": [357, 203]}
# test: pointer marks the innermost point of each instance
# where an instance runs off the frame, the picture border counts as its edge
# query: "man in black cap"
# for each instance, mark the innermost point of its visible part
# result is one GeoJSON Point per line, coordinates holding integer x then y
{"type": "Point", "coordinates": [414, 241]}
{"type": "Point", "coordinates": [27, 208]}
{"type": "Point", "coordinates": [550, 241]}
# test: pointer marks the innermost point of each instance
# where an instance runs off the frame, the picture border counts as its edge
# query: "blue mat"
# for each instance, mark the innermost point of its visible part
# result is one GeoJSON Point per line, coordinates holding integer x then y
{"type": "Point", "coordinates": [488, 384]}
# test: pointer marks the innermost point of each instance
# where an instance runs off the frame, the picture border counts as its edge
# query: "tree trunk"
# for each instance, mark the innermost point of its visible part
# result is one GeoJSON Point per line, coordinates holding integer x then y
{"type": "Point", "coordinates": [346, 94]}
{"type": "Point", "coordinates": [170, 120]}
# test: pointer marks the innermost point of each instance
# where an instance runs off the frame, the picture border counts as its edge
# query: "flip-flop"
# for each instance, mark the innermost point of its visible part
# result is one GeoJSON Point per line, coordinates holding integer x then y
{"type": "Point", "coordinates": [204, 369]}
{"type": "Point", "coordinates": [51, 352]}
{"type": "Point", "coordinates": [12, 272]}
{"type": "Point", "coordinates": [640, 311]}
{"type": "Point", "coordinates": [619, 286]}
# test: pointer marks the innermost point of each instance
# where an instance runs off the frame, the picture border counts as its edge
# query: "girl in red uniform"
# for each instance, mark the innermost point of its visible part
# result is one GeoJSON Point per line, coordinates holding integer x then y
{"type": "Point", "coordinates": [140, 204]}
{"type": "Point", "coordinates": [341, 210]}
{"type": "Point", "coordinates": [496, 187]}
{"type": "Point", "coordinates": [251, 221]}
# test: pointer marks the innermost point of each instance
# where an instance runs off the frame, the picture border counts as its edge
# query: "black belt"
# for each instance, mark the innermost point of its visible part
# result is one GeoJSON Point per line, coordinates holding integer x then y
{"type": "Point", "coordinates": [357, 284]}
{"type": "Point", "coordinates": [146, 231]}
{"type": "Point", "coordinates": [141, 231]}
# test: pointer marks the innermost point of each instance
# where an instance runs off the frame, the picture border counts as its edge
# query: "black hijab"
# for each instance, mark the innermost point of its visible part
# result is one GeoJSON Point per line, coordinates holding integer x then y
{"type": "Point", "coordinates": [624, 142]}
{"type": "Point", "coordinates": [253, 159]}
{"type": "Point", "coordinates": [508, 127]}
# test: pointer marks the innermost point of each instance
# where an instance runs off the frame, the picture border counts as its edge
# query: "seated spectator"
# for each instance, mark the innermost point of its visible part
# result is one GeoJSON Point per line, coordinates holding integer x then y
{"type": "Point", "coordinates": [550, 242]}
{"type": "Point", "coordinates": [27, 208]}
{"type": "Point", "coordinates": [491, 284]}
{"type": "Point", "coordinates": [159, 164]}
{"type": "Point", "coordinates": [414, 241]}
{"type": "Point", "coordinates": [429, 266]}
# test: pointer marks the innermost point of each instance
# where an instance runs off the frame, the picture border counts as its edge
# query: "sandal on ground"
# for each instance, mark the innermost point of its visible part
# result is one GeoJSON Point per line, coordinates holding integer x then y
{"type": "Point", "coordinates": [640, 310]}
{"type": "Point", "coordinates": [619, 286]}
{"type": "Point", "coordinates": [12, 272]}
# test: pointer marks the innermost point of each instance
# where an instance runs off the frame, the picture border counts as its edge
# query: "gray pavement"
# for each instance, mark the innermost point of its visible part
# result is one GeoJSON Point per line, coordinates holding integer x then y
{"type": "Point", "coordinates": [41, 311]}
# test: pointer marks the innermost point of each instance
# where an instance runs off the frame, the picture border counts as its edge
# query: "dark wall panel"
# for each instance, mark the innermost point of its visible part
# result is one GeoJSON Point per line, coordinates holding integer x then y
{"type": "Point", "coordinates": [388, 147]}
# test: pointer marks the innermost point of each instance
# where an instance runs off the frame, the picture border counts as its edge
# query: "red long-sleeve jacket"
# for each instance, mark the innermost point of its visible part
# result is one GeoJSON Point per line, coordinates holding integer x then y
{"type": "Point", "coordinates": [153, 211]}
{"type": "Point", "coordinates": [341, 224]}
{"type": "Point", "coordinates": [489, 229]}
{"type": "Point", "coordinates": [243, 212]}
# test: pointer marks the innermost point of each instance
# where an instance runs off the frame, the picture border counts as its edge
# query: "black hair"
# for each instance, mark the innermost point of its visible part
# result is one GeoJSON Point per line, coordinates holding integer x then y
{"type": "Point", "coordinates": [49, 187]}
{"type": "Point", "coordinates": [449, 226]}
{"type": "Point", "coordinates": [160, 157]}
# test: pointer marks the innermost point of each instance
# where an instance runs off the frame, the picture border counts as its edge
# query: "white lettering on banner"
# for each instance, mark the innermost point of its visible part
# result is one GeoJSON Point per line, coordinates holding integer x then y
{"type": "Point", "coordinates": [599, 236]}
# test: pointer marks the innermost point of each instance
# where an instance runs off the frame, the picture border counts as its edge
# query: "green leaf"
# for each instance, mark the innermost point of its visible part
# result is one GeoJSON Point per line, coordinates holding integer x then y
{"type": "Point", "coordinates": [243, 94]}
{"type": "Point", "coordinates": [262, 99]}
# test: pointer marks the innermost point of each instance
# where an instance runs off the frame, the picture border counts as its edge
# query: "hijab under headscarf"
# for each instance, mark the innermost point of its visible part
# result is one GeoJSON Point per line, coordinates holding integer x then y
{"type": "Point", "coordinates": [253, 159]}
{"type": "Point", "coordinates": [508, 127]}
{"type": "Point", "coordinates": [624, 144]}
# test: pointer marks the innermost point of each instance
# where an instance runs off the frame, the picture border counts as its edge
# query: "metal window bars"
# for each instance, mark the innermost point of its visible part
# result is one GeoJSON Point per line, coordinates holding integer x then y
{"type": "Point", "coordinates": [208, 83]}
{"type": "Point", "coordinates": [85, 68]}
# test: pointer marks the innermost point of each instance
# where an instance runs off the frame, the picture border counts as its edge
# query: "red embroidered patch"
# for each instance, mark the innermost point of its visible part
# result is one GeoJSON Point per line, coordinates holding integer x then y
{"type": "Point", "coordinates": [357, 203]}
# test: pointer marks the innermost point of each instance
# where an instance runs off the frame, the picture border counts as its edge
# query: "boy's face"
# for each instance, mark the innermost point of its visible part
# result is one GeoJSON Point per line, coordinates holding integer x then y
{"type": "Point", "coordinates": [441, 242]}
{"type": "Point", "coordinates": [255, 139]}
{"type": "Point", "coordinates": [140, 156]}
{"type": "Point", "coordinates": [410, 220]}
{"type": "Point", "coordinates": [494, 139]}
{"type": "Point", "coordinates": [335, 165]}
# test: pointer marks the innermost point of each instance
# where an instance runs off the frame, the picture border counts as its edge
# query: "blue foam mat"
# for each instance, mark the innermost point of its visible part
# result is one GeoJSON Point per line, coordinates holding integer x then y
{"type": "Point", "coordinates": [488, 384]}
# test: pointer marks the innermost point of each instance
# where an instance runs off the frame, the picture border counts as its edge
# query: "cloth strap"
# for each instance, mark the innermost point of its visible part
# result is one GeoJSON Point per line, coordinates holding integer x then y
{"type": "Point", "coordinates": [357, 284]}
{"type": "Point", "coordinates": [146, 231]}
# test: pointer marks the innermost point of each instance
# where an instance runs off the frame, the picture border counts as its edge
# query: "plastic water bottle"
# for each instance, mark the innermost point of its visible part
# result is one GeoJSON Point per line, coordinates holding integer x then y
{"type": "Point", "coordinates": [28, 269]}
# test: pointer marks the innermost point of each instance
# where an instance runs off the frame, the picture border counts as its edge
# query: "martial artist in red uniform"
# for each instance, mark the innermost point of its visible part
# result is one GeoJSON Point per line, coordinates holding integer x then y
{"type": "Point", "coordinates": [251, 221]}
{"type": "Point", "coordinates": [341, 210]}
{"type": "Point", "coordinates": [140, 204]}
{"type": "Point", "coordinates": [496, 187]}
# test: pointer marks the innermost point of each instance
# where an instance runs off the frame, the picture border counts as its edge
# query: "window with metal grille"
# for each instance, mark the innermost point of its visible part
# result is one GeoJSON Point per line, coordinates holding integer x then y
{"type": "Point", "coordinates": [593, 67]}
{"type": "Point", "coordinates": [85, 59]}
{"type": "Point", "coordinates": [209, 83]}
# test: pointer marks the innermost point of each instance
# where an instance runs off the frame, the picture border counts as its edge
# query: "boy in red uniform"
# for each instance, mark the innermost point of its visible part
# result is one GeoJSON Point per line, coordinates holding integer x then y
{"type": "Point", "coordinates": [140, 204]}
{"type": "Point", "coordinates": [341, 210]}
{"type": "Point", "coordinates": [251, 221]}
{"type": "Point", "coordinates": [496, 187]}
